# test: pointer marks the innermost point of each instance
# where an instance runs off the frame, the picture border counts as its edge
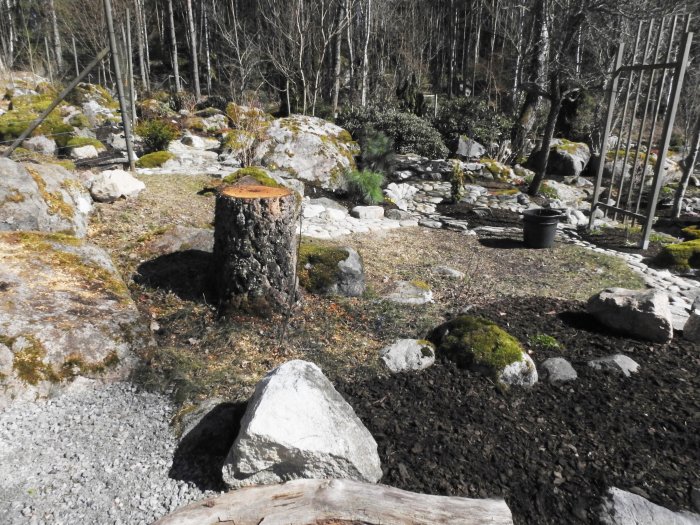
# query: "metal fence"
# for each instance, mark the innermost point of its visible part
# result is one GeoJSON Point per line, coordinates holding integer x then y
{"type": "Point", "coordinates": [642, 95]}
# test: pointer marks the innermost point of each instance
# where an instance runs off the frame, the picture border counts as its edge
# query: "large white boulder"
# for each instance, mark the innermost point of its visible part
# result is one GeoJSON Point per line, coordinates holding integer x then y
{"type": "Point", "coordinates": [42, 197]}
{"type": "Point", "coordinates": [309, 149]}
{"type": "Point", "coordinates": [624, 508]}
{"type": "Point", "coordinates": [568, 158]}
{"type": "Point", "coordinates": [644, 314]}
{"type": "Point", "coordinates": [84, 152]}
{"type": "Point", "coordinates": [298, 426]}
{"type": "Point", "coordinates": [111, 185]}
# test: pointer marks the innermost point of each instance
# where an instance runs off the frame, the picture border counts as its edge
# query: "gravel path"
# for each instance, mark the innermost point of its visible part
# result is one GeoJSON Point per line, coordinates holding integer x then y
{"type": "Point", "coordinates": [96, 454]}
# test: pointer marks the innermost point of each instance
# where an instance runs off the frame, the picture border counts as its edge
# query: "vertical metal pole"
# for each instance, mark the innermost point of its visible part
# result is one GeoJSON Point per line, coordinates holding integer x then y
{"type": "Point", "coordinates": [120, 88]}
{"type": "Point", "coordinates": [682, 64]}
{"type": "Point", "coordinates": [612, 92]}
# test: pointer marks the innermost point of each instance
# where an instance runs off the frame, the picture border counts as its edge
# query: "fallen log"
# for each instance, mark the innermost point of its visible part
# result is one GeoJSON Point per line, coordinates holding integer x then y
{"type": "Point", "coordinates": [336, 501]}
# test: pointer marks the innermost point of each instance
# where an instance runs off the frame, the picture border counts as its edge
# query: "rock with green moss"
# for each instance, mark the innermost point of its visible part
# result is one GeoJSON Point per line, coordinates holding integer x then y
{"type": "Point", "coordinates": [251, 175]}
{"type": "Point", "coordinates": [330, 270]}
{"type": "Point", "coordinates": [681, 256]}
{"type": "Point", "coordinates": [414, 292]}
{"type": "Point", "coordinates": [155, 159]}
{"type": "Point", "coordinates": [309, 149]}
{"type": "Point", "coordinates": [66, 312]}
{"type": "Point", "coordinates": [85, 92]}
{"type": "Point", "coordinates": [481, 345]}
{"type": "Point", "coordinates": [79, 142]}
{"type": "Point", "coordinates": [567, 158]}
{"type": "Point", "coordinates": [42, 197]}
{"type": "Point", "coordinates": [496, 170]}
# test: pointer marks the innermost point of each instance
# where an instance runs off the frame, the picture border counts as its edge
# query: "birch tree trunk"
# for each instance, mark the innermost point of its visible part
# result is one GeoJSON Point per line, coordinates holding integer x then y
{"type": "Point", "coordinates": [193, 49]}
{"type": "Point", "coordinates": [56, 36]}
{"type": "Point", "coordinates": [688, 168]}
{"type": "Point", "coordinates": [173, 47]}
{"type": "Point", "coordinates": [365, 55]}
{"type": "Point", "coordinates": [337, 58]}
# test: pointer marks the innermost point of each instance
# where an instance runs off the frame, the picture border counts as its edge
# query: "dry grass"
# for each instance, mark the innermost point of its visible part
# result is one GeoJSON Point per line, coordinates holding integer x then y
{"type": "Point", "coordinates": [199, 355]}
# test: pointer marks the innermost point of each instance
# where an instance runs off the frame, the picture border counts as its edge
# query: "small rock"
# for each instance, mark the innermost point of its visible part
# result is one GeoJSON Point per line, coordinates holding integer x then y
{"type": "Point", "coordinates": [84, 152]}
{"type": "Point", "coordinates": [691, 330]}
{"type": "Point", "coordinates": [411, 293]}
{"type": "Point", "coordinates": [558, 370]}
{"type": "Point", "coordinates": [367, 212]}
{"type": "Point", "coordinates": [408, 354]}
{"type": "Point", "coordinates": [519, 373]}
{"type": "Point", "coordinates": [398, 215]}
{"type": "Point", "coordinates": [624, 508]}
{"type": "Point", "coordinates": [446, 271]}
{"type": "Point", "coordinates": [619, 363]}
{"type": "Point", "coordinates": [111, 185]}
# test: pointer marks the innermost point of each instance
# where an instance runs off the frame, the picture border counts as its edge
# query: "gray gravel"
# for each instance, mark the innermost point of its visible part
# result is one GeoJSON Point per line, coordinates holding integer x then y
{"type": "Point", "coordinates": [96, 454]}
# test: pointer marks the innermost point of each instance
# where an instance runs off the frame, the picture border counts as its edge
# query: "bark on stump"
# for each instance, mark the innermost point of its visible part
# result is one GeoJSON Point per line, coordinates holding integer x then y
{"type": "Point", "coordinates": [255, 247]}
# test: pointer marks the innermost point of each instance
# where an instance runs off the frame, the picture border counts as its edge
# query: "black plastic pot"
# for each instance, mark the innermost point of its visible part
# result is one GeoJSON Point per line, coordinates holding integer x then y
{"type": "Point", "coordinates": [540, 226]}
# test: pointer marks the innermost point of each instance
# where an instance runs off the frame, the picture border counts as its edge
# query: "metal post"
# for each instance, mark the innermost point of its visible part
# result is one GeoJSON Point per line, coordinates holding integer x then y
{"type": "Point", "coordinates": [100, 56]}
{"type": "Point", "coordinates": [606, 133]}
{"type": "Point", "coordinates": [678, 78]}
{"type": "Point", "coordinates": [120, 87]}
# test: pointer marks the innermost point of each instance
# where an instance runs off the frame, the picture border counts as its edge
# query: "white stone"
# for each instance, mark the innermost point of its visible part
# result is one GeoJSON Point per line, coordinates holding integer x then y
{"type": "Point", "coordinates": [519, 373]}
{"type": "Point", "coordinates": [446, 271]}
{"type": "Point", "coordinates": [410, 293]}
{"type": "Point", "coordinates": [367, 212]}
{"type": "Point", "coordinates": [84, 152]}
{"type": "Point", "coordinates": [639, 313]}
{"type": "Point", "coordinates": [624, 508]}
{"type": "Point", "coordinates": [408, 354]}
{"type": "Point", "coordinates": [111, 185]}
{"type": "Point", "coordinates": [617, 363]}
{"type": "Point", "coordinates": [691, 330]}
{"type": "Point", "coordinates": [298, 426]}
{"type": "Point", "coordinates": [558, 370]}
{"type": "Point", "coordinates": [41, 144]}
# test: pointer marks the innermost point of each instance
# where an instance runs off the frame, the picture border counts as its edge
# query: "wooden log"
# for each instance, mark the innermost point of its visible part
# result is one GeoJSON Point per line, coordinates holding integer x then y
{"type": "Point", "coordinates": [255, 247]}
{"type": "Point", "coordinates": [315, 501]}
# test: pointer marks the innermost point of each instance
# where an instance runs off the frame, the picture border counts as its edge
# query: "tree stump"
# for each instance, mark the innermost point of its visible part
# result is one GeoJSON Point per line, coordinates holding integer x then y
{"type": "Point", "coordinates": [254, 247]}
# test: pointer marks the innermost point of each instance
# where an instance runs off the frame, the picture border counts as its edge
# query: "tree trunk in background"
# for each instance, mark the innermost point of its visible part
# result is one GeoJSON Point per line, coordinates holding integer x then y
{"type": "Point", "coordinates": [337, 58]}
{"type": "Point", "coordinates": [688, 167]}
{"type": "Point", "coordinates": [56, 37]}
{"type": "Point", "coordinates": [543, 157]}
{"type": "Point", "coordinates": [255, 249]}
{"type": "Point", "coordinates": [139, 43]}
{"type": "Point", "coordinates": [193, 49]}
{"type": "Point", "coordinates": [528, 113]}
{"type": "Point", "coordinates": [365, 55]}
{"type": "Point", "coordinates": [173, 47]}
{"type": "Point", "coordinates": [207, 54]}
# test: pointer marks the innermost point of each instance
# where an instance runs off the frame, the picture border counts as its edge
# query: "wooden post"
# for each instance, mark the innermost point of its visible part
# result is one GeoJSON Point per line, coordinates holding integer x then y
{"type": "Point", "coordinates": [120, 87]}
{"type": "Point", "coordinates": [254, 247]}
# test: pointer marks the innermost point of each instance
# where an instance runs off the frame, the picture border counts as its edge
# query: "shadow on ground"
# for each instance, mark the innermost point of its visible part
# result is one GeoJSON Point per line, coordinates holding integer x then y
{"type": "Point", "coordinates": [502, 243]}
{"type": "Point", "coordinates": [205, 444]}
{"type": "Point", "coordinates": [185, 273]}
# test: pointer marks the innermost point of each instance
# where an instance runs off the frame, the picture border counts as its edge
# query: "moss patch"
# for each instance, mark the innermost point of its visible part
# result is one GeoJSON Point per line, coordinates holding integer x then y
{"type": "Point", "coordinates": [253, 172]}
{"type": "Point", "coordinates": [476, 343]}
{"type": "Point", "coordinates": [155, 159]}
{"type": "Point", "coordinates": [318, 265]}
{"type": "Point", "coordinates": [29, 363]}
{"type": "Point", "coordinates": [691, 232]}
{"type": "Point", "coordinates": [79, 142]}
{"type": "Point", "coordinates": [681, 256]}
{"type": "Point", "coordinates": [54, 200]}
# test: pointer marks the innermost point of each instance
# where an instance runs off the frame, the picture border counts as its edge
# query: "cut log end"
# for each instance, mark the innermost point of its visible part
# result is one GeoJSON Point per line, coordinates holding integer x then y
{"type": "Point", "coordinates": [254, 192]}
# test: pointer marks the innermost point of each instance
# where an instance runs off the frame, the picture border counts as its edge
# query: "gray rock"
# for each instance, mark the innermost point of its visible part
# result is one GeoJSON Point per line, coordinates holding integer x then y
{"type": "Point", "coordinates": [42, 197]}
{"type": "Point", "coordinates": [180, 238]}
{"type": "Point", "coordinates": [110, 185]}
{"type": "Point", "coordinates": [624, 508]}
{"type": "Point", "coordinates": [558, 370]}
{"type": "Point", "coordinates": [619, 363]}
{"type": "Point", "coordinates": [308, 148]}
{"type": "Point", "coordinates": [328, 203]}
{"type": "Point", "coordinates": [351, 275]}
{"type": "Point", "coordinates": [469, 149]}
{"type": "Point", "coordinates": [367, 212]}
{"type": "Point", "coordinates": [519, 373]}
{"type": "Point", "coordinates": [408, 354]}
{"type": "Point", "coordinates": [84, 152]}
{"type": "Point", "coordinates": [398, 215]}
{"type": "Point", "coordinates": [41, 144]}
{"type": "Point", "coordinates": [53, 282]}
{"type": "Point", "coordinates": [298, 426]}
{"type": "Point", "coordinates": [691, 330]}
{"type": "Point", "coordinates": [430, 223]}
{"type": "Point", "coordinates": [446, 271]}
{"type": "Point", "coordinates": [410, 293]}
{"type": "Point", "coordinates": [568, 158]}
{"type": "Point", "coordinates": [640, 313]}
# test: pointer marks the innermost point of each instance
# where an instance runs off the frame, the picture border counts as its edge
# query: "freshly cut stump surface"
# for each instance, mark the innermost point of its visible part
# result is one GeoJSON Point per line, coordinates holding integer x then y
{"type": "Point", "coordinates": [254, 247]}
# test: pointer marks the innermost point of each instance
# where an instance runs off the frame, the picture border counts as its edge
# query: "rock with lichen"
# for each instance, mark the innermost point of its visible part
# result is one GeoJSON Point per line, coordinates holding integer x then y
{"type": "Point", "coordinates": [65, 312]}
{"type": "Point", "coordinates": [481, 345]}
{"type": "Point", "coordinates": [331, 271]}
{"type": "Point", "coordinates": [42, 197]}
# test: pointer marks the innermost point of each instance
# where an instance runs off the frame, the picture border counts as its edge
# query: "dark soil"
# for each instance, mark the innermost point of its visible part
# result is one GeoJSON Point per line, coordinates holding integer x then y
{"type": "Point", "coordinates": [550, 451]}
{"type": "Point", "coordinates": [481, 217]}
{"type": "Point", "coordinates": [621, 240]}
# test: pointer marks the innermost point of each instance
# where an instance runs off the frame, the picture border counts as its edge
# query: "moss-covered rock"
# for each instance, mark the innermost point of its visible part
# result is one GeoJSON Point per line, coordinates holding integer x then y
{"type": "Point", "coordinates": [681, 256]}
{"type": "Point", "coordinates": [691, 232]}
{"type": "Point", "coordinates": [477, 344]}
{"type": "Point", "coordinates": [330, 270]}
{"type": "Point", "coordinates": [155, 159]}
{"type": "Point", "coordinates": [85, 92]}
{"type": "Point", "coordinates": [79, 142]}
{"type": "Point", "coordinates": [256, 173]}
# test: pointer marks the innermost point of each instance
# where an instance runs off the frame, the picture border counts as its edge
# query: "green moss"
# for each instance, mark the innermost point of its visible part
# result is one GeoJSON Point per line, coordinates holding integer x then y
{"type": "Point", "coordinates": [79, 121]}
{"type": "Point", "coordinates": [568, 146]}
{"type": "Point", "coordinates": [54, 200]}
{"type": "Point", "coordinates": [237, 139]}
{"type": "Point", "coordinates": [691, 232]}
{"type": "Point", "coordinates": [318, 265]}
{"type": "Point", "coordinates": [78, 142]}
{"type": "Point", "coordinates": [194, 124]}
{"type": "Point", "coordinates": [75, 364]}
{"type": "Point", "coordinates": [544, 341]}
{"type": "Point", "coordinates": [67, 164]}
{"type": "Point", "coordinates": [15, 197]}
{"type": "Point", "coordinates": [548, 191]}
{"type": "Point", "coordinates": [681, 256]}
{"type": "Point", "coordinates": [29, 363]}
{"type": "Point", "coordinates": [344, 136]}
{"type": "Point", "coordinates": [476, 343]}
{"type": "Point", "coordinates": [420, 284]}
{"type": "Point", "coordinates": [85, 92]}
{"type": "Point", "coordinates": [498, 170]}
{"type": "Point", "coordinates": [254, 172]}
{"type": "Point", "coordinates": [505, 191]}
{"type": "Point", "coordinates": [155, 159]}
